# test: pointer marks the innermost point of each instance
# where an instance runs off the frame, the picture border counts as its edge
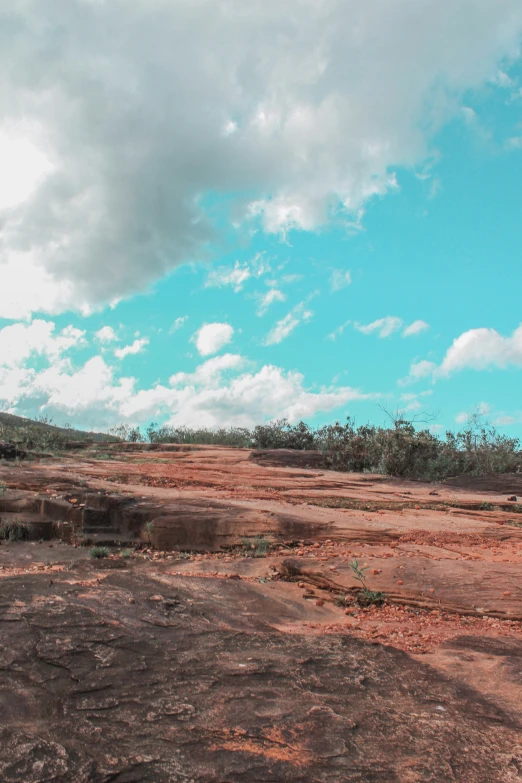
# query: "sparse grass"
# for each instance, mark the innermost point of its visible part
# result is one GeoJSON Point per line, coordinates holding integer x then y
{"type": "Point", "coordinates": [126, 553]}
{"type": "Point", "coordinates": [366, 596]}
{"type": "Point", "coordinates": [485, 506]}
{"type": "Point", "coordinates": [256, 547]}
{"type": "Point", "coordinates": [513, 522]}
{"type": "Point", "coordinates": [14, 530]}
{"type": "Point", "coordinates": [98, 552]}
{"type": "Point", "coordinates": [343, 601]}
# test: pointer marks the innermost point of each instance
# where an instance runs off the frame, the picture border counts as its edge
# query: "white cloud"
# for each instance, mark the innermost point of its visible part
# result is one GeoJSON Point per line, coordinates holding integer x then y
{"type": "Point", "coordinates": [178, 323]}
{"type": "Point", "coordinates": [20, 341]}
{"type": "Point", "coordinates": [415, 328]}
{"type": "Point", "coordinates": [106, 335]}
{"type": "Point", "coordinates": [419, 371]}
{"type": "Point", "coordinates": [286, 325]}
{"type": "Point", "coordinates": [128, 350]}
{"type": "Point", "coordinates": [480, 349]}
{"type": "Point", "coordinates": [503, 421]}
{"type": "Point", "coordinates": [134, 113]}
{"type": "Point", "coordinates": [476, 349]}
{"type": "Point", "coordinates": [339, 279]}
{"type": "Point", "coordinates": [223, 275]}
{"type": "Point", "coordinates": [22, 165]}
{"type": "Point", "coordinates": [244, 400]}
{"type": "Point", "coordinates": [222, 391]}
{"type": "Point", "coordinates": [383, 326]}
{"type": "Point", "coordinates": [271, 296]}
{"type": "Point", "coordinates": [212, 337]}
{"type": "Point", "coordinates": [414, 402]}
{"type": "Point", "coordinates": [338, 331]}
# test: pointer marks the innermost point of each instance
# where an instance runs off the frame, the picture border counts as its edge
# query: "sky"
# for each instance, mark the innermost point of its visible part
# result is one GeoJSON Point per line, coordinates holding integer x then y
{"type": "Point", "coordinates": [218, 213]}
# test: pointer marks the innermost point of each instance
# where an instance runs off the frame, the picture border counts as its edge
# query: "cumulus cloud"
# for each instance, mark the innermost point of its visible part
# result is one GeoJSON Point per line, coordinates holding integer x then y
{"type": "Point", "coordinates": [339, 279]}
{"type": "Point", "coordinates": [18, 342]}
{"type": "Point", "coordinates": [480, 349]}
{"type": "Point", "coordinates": [212, 337]}
{"type": "Point", "coordinates": [106, 335]}
{"type": "Point", "coordinates": [137, 117]}
{"type": "Point", "coordinates": [415, 328]}
{"type": "Point", "coordinates": [128, 350]}
{"type": "Point", "coordinates": [204, 398]}
{"type": "Point", "coordinates": [221, 391]}
{"type": "Point", "coordinates": [283, 328]}
{"type": "Point", "coordinates": [383, 327]}
{"type": "Point", "coordinates": [475, 349]}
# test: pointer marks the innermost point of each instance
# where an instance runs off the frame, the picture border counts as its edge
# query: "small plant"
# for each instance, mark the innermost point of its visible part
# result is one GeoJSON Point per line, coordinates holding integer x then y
{"type": "Point", "coordinates": [149, 527]}
{"type": "Point", "coordinates": [343, 601]}
{"type": "Point", "coordinates": [485, 506]}
{"type": "Point", "coordinates": [366, 596]}
{"type": "Point", "coordinates": [97, 552]}
{"type": "Point", "coordinates": [126, 553]}
{"type": "Point", "coordinates": [184, 555]}
{"type": "Point", "coordinates": [256, 547]}
{"type": "Point", "coordinates": [513, 522]}
{"type": "Point", "coordinates": [14, 530]}
{"type": "Point", "coordinates": [3, 488]}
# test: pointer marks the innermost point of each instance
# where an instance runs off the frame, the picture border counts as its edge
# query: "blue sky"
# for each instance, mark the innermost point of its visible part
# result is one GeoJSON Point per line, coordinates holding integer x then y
{"type": "Point", "coordinates": [296, 220]}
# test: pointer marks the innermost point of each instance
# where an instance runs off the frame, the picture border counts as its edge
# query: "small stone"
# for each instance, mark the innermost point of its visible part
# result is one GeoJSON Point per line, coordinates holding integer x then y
{"type": "Point", "coordinates": [400, 582]}
{"type": "Point", "coordinates": [319, 602]}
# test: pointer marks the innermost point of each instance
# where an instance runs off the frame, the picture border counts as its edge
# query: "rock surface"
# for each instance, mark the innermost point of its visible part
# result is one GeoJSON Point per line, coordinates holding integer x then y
{"type": "Point", "coordinates": [213, 666]}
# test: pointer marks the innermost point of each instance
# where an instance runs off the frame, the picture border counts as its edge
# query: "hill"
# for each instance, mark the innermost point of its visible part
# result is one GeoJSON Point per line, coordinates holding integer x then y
{"type": "Point", "coordinates": [27, 433]}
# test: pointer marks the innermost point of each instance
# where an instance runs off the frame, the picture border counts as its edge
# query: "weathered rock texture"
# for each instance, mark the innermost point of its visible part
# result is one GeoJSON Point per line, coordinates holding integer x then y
{"type": "Point", "coordinates": [214, 667]}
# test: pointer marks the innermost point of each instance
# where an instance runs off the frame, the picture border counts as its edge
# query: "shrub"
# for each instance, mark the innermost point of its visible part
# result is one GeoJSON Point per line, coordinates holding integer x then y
{"type": "Point", "coordinates": [398, 450]}
{"type": "Point", "coordinates": [280, 434]}
{"type": "Point", "coordinates": [97, 552]}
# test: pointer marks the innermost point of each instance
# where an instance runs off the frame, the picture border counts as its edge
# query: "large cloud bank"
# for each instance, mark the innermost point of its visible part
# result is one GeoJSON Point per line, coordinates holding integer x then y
{"type": "Point", "coordinates": [42, 372]}
{"type": "Point", "coordinates": [118, 121]}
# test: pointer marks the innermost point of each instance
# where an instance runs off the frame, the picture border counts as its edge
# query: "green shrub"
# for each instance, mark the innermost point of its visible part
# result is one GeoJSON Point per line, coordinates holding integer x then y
{"type": "Point", "coordinates": [398, 450]}
{"type": "Point", "coordinates": [97, 552]}
{"type": "Point", "coordinates": [281, 434]}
